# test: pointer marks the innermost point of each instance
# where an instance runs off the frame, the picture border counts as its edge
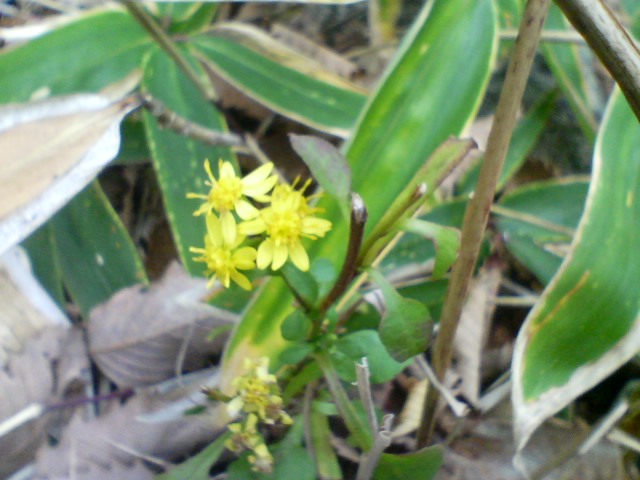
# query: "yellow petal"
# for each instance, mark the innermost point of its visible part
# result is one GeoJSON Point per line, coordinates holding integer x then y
{"type": "Point", "coordinates": [246, 211]}
{"type": "Point", "coordinates": [244, 258]}
{"type": "Point", "coordinates": [241, 280]}
{"type": "Point", "coordinates": [252, 227]}
{"type": "Point", "coordinates": [226, 170]}
{"type": "Point", "coordinates": [228, 225]}
{"type": "Point", "coordinates": [259, 189]}
{"type": "Point", "coordinates": [315, 226]}
{"type": "Point", "coordinates": [214, 230]}
{"type": "Point", "coordinates": [207, 167]}
{"type": "Point", "coordinates": [258, 175]}
{"type": "Point", "coordinates": [265, 254]}
{"type": "Point", "coordinates": [299, 256]}
{"type": "Point", "coordinates": [280, 254]}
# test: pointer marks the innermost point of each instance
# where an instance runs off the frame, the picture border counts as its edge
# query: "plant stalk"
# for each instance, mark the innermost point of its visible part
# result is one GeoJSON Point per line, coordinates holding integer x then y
{"type": "Point", "coordinates": [354, 423]}
{"type": "Point", "coordinates": [159, 35]}
{"type": "Point", "coordinates": [350, 266]}
{"type": "Point", "coordinates": [477, 213]}
{"type": "Point", "coordinates": [611, 43]}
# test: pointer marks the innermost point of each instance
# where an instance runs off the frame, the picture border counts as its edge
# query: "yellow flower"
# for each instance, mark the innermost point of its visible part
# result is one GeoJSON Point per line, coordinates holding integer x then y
{"type": "Point", "coordinates": [228, 193]}
{"type": "Point", "coordinates": [223, 258]}
{"type": "Point", "coordinates": [257, 392]}
{"type": "Point", "coordinates": [286, 221]}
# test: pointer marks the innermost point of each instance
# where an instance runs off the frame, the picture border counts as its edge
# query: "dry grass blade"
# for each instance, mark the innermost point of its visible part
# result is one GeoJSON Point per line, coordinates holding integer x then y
{"type": "Point", "coordinates": [136, 337]}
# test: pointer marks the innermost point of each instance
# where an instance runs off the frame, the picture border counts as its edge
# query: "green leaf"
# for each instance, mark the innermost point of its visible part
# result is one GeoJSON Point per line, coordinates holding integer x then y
{"type": "Point", "coordinates": [566, 62]}
{"type": "Point", "coordinates": [294, 354]}
{"type": "Point", "coordinates": [632, 8]}
{"type": "Point", "coordinates": [198, 466]}
{"type": "Point", "coordinates": [179, 160]}
{"type": "Point", "coordinates": [327, 164]}
{"type": "Point", "coordinates": [400, 467]}
{"type": "Point", "coordinates": [97, 257]}
{"type": "Point", "coordinates": [394, 136]}
{"type": "Point", "coordinates": [187, 17]}
{"type": "Point", "coordinates": [537, 221]}
{"type": "Point", "coordinates": [445, 239]}
{"type": "Point", "coordinates": [85, 56]}
{"type": "Point", "coordinates": [43, 253]}
{"type": "Point", "coordinates": [350, 350]}
{"type": "Point", "coordinates": [406, 325]}
{"type": "Point", "coordinates": [291, 460]}
{"type": "Point", "coordinates": [284, 89]}
{"type": "Point", "coordinates": [303, 283]}
{"type": "Point", "coordinates": [296, 327]}
{"type": "Point", "coordinates": [586, 323]}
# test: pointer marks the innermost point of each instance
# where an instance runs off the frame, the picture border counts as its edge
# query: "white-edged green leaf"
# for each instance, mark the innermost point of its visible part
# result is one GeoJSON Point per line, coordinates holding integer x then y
{"type": "Point", "coordinates": [587, 323]}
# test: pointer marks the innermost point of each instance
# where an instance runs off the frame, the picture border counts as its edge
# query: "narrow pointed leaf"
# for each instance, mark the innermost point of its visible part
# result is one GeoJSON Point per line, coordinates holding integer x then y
{"type": "Point", "coordinates": [179, 160]}
{"type": "Point", "coordinates": [84, 56]}
{"type": "Point", "coordinates": [537, 222]}
{"type": "Point", "coordinates": [567, 64]}
{"type": "Point", "coordinates": [586, 323]}
{"type": "Point", "coordinates": [97, 257]}
{"type": "Point", "coordinates": [198, 466]}
{"type": "Point", "coordinates": [280, 85]}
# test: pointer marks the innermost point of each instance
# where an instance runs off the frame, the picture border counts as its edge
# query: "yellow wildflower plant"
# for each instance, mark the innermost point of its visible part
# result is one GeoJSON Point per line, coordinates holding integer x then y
{"type": "Point", "coordinates": [258, 393]}
{"type": "Point", "coordinates": [229, 192]}
{"type": "Point", "coordinates": [286, 221]}
{"type": "Point", "coordinates": [224, 258]}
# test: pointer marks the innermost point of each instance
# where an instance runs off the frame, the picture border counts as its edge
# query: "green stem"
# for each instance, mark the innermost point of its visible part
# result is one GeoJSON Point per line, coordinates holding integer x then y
{"type": "Point", "coordinates": [352, 420]}
{"type": "Point", "coordinates": [477, 213]}
{"type": "Point", "coordinates": [159, 35]}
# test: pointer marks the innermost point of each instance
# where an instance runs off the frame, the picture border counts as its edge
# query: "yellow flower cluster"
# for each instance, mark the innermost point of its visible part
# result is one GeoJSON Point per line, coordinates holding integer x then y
{"type": "Point", "coordinates": [258, 397]}
{"type": "Point", "coordinates": [284, 221]}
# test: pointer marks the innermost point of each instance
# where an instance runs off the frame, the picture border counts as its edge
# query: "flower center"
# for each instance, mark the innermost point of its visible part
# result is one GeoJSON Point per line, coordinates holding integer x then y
{"type": "Point", "coordinates": [284, 227]}
{"type": "Point", "coordinates": [219, 260]}
{"type": "Point", "coordinates": [226, 193]}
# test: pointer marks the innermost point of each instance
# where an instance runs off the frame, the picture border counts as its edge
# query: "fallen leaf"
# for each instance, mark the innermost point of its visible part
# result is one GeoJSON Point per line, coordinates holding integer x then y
{"type": "Point", "coordinates": [136, 337]}
{"type": "Point", "coordinates": [51, 150]}
{"type": "Point", "coordinates": [486, 451]}
{"type": "Point", "coordinates": [471, 336]}
{"type": "Point", "coordinates": [45, 369]}
{"type": "Point", "coordinates": [26, 307]}
{"type": "Point", "coordinates": [110, 446]}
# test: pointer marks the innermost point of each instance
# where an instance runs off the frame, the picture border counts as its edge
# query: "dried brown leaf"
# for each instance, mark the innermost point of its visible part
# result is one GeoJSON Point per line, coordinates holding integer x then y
{"type": "Point", "coordinates": [486, 452]}
{"type": "Point", "coordinates": [26, 307]}
{"type": "Point", "coordinates": [109, 447]}
{"type": "Point", "coordinates": [51, 149]}
{"type": "Point", "coordinates": [137, 335]}
{"type": "Point", "coordinates": [45, 369]}
{"type": "Point", "coordinates": [472, 333]}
